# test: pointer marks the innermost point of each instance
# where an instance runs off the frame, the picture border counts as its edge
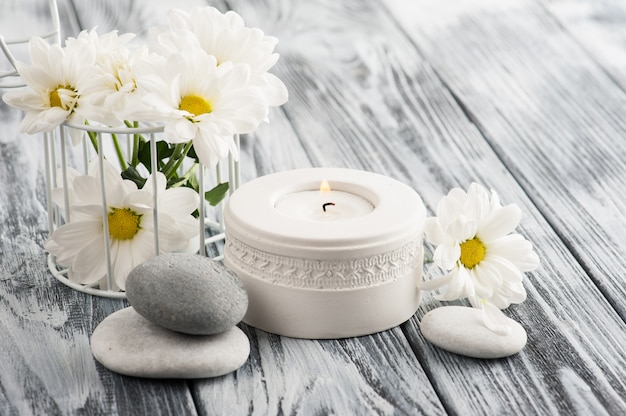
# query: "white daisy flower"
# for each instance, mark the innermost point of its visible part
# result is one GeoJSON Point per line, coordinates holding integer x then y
{"type": "Point", "coordinates": [79, 244]}
{"type": "Point", "coordinates": [202, 102]}
{"type": "Point", "coordinates": [225, 36]}
{"type": "Point", "coordinates": [57, 78]}
{"type": "Point", "coordinates": [114, 83]}
{"type": "Point", "coordinates": [484, 260]}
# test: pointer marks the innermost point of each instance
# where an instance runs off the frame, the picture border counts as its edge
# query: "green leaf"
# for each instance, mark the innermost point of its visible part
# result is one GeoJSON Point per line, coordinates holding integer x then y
{"type": "Point", "coordinates": [193, 181]}
{"type": "Point", "coordinates": [188, 179]}
{"type": "Point", "coordinates": [217, 194]}
{"type": "Point", "coordinates": [163, 151]}
{"type": "Point", "coordinates": [134, 175]}
{"type": "Point", "coordinates": [176, 182]}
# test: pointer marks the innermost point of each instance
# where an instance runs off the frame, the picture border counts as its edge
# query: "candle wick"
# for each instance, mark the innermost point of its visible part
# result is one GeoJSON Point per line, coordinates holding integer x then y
{"type": "Point", "coordinates": [328, 203]}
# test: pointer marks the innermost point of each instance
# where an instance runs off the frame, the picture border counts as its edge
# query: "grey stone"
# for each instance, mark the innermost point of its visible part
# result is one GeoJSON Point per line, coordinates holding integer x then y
{"type": "Point", "coordinates": [127, 343]}
{"type": "Point", "coordinates": [187, 293]}
{"type": "Point", "coordinates": [460, 330]}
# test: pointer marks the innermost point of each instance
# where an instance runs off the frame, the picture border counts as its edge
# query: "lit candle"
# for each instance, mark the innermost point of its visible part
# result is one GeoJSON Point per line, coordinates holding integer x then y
{"type": "Point", "coordinates": [331, 264]}
{"type": "Point", "coordinates": [324, 204]}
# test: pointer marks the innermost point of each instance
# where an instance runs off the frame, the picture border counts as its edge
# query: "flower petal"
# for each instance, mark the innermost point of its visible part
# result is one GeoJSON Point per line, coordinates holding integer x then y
{"type": "Point", "coordinates": [179, 202]}
{"type": "Point", "coordinates": [436, 283]}
{"type": "Point", "coordinates": [447, 255]}
{"type": "Point", "coordinates": [461, 229]}
{"type": "Point", "coordinates": [494, 319]}
{"type": "Point", "coordinates": [460, 286]}
{"type": "Point", "coordinates": [500, 222]}
{"type": "Point", "coordinates": [517, 250]}
{"type": "Point", "coordinates": [433, 231]}
{"type": "Point", "coordinates": [89, 264]}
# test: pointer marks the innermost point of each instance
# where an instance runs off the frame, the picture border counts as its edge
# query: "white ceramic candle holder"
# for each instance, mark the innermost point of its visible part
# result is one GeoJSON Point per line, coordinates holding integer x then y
{"type": "Point", "coordinates": [348, 271]}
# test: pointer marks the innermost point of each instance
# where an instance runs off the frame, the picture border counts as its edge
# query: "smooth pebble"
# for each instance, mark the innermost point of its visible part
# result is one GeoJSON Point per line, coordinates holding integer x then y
{"type": "Point", "coordinates": [127, 343]}
{"type": "Point", "coordinates": [188, 293]}
{"type": "Point", "coordinates": [460, 330]}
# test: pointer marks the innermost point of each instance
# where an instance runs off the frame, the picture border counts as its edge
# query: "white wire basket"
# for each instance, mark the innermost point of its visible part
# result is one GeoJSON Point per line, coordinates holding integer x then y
{"type": "Point", "coordinates": [59, 155]}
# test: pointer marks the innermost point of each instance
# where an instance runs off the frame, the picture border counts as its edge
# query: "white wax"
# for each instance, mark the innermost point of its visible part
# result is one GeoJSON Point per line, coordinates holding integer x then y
{"type": "Point", "coordinates": [323, 205]}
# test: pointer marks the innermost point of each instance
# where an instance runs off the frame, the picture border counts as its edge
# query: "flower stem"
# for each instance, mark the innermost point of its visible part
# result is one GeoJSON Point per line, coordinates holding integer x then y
{"type": "Point", "coordinates": [93, 137]}
{"type": "Point", "coordinates": [174, 162]}
{"type": "Point", "coordinates": [118, 151]}
{"type": "Point", "coordinates": [183, 154]}
{"type": "Point", "coordinates": [134, 161]}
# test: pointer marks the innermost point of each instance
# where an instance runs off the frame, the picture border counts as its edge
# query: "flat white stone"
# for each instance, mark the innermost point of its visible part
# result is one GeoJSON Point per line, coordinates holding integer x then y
{"type": "Point", "coordinates": [460, 330]}
{"type": "Point", "coordinates": [127, 343]}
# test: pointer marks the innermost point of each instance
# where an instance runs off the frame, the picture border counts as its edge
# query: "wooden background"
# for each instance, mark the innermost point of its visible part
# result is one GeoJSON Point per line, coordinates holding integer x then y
{"type": "Point", "coordinates": [524, 96]}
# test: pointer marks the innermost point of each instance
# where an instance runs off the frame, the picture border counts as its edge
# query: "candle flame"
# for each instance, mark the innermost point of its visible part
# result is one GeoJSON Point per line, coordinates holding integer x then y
{"type": "Point", "coordinates": [324, 186]}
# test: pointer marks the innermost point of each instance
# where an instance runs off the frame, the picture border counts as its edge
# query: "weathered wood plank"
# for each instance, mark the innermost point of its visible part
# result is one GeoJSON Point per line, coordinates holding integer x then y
{"type": "Point", "coordinates": [370, 375]}
{"type": "Point", "coordinates": [354, 88]}
{"type": "Point", "coordinates": [600, 27]}
{"type": "Point", "coordinates": [46, 366]}
{"type": "Point", "coordinates": [127, 16]}
{"type": "Point", "coordinates": [549, 112]}
{"type": "Point", "coordinates": [531, 91]}
{"type": "Point", "coordinates": [431, 145]}
{"type": "Point", "coordinates": [362, 97]}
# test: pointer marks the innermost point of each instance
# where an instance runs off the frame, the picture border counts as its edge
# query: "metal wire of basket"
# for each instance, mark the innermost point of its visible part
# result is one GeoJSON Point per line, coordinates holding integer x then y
{"type": "Point", "coordinates": [58, 157]}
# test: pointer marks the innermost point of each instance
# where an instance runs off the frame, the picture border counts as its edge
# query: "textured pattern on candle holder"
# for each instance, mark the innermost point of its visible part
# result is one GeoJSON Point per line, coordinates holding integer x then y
{"type": "Point", "coordinates": [326, 274]}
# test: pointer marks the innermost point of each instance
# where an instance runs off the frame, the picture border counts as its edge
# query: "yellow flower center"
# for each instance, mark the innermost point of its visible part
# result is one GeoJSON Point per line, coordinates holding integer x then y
{"type": "Point", "coordinates": [472, 252]}
{"type": "Point", "coordinates": [55, 100]}
{"type": "Point", "coordinates": [124, 223]}
{"type": "Point", "coordinates": [195, 105]}
{"type": "Point", "coordinates": [55, 97]}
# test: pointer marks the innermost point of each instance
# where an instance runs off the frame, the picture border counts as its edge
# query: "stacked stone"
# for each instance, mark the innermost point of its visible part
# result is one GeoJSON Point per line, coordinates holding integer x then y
{"type": "Point", "coordinates": [181, 322]}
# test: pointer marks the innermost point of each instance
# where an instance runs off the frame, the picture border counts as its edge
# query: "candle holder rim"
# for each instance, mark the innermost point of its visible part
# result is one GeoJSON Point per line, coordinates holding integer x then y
{"type": "Point", "coordinates": [253, 218]}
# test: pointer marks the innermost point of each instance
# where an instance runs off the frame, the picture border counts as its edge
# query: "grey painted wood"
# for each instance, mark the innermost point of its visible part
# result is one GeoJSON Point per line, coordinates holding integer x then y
{"type": "Point", "coordinates": [438, 135]}
{"type": "Point", "coordinates": [555, 129]}
{"type": "Point", "coordinates": [600, 28]}
{"type": "Point", "coordinates": [46, 366]}
{"type": "Point", "coordinates": [487, 56]}
{"type": "Point", "coordinates": [435, 94]}
{"type": "Point", "coordinates": [369, 375]}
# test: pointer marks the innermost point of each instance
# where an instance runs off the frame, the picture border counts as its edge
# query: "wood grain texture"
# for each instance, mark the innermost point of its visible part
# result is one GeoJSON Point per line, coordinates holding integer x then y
{"type": "Point", "coordinates": [127, 16]}
{"type": "Point", "coordinates": [352, 80]}
{"type": "Point", "coordinates": [436, 95]}
{"type": "Point", "coordinates": [368, 375]}
{"type": "Point", "coordinates": [46, 366]}
{"type": "Point", "coordinates": [600, 28]}
{"type": "Point", "coordinates": [487, 57]}
{"type": "Point", "coordinates": [548, 111]}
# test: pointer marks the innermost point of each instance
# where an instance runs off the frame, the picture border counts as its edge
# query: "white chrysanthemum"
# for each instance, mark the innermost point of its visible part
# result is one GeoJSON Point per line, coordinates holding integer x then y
{"type": "Point", "coordinates": [56, 80]}
{"type": "Point", "coordinates": [79, 244]}
{"type": "Point", "coordinates": [202, 102]}
{"type": "Point", "coordinates": [114, 83]}
{"type": "Point", "coordinates": [476, 246]}
{"type": "Point", "coordinates": [225, 36]}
